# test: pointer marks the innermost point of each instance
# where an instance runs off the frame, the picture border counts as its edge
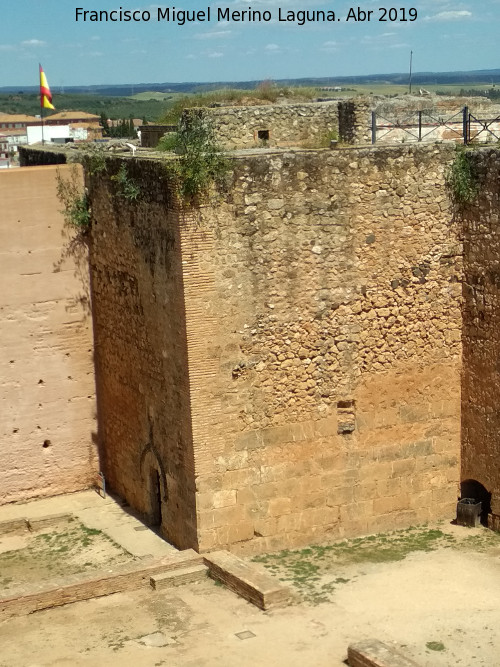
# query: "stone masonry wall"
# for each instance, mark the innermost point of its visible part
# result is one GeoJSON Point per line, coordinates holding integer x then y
{"type": "Point", "coordinates": [288, 124]}
{"type": "Point", "coordinates": [47, 403]}
{"type": "Point", "coordinates": [481, 331]}
{"type": "Point", "coordinates": [354, 121]}
{"type": "Point", "coordinates": [289, 362]}
{"type": "Point", "coordinates": [331, 348]}
{"type": "Point", "coordinates": [140, 342]}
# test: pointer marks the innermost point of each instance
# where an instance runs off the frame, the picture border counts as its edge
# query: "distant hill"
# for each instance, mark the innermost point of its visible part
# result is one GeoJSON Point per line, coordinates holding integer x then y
{"type": "Point", "coordinates": [419, 78]}
{"type": "Point", "coordinates": [26, 102]}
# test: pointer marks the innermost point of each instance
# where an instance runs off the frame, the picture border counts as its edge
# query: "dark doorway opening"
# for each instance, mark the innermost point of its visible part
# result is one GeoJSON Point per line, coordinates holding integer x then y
{"type": "Point", "coordinates": [155, 491]}
{"type": "Point", "coordinates": [263, 135]}
{"type": "Point", "coordinates": [470, 488]}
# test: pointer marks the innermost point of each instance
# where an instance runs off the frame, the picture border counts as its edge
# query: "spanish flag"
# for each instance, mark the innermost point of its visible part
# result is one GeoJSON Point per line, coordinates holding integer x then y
{"type": "Point", "coordinates": [45, 94]}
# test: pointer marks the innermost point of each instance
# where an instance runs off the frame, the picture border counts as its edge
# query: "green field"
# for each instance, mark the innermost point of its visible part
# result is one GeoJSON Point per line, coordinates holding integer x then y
{"type": "Point", "coordinates": [114, 107]}
{"type": "Point", "coordinates": [158, 97]}
{"type": "Point", "coordinates": [166, 106]}
{"type": "Point", "coordinates": [381, 88]}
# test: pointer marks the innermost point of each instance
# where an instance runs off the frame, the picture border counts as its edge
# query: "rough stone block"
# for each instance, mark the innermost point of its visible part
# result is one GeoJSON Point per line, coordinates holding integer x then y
{"type": "Point", "coordinates": [186, 575]}
{"type": "Point", "coordinates": [279, 506]}
{"type": "Point", "coordinates": [374, 653]}
{"type": "Point", "coordinates": [234, 533]}
{"type": "Point", "coordinates": [403, 467]}
{"type": "Point", "coordinates": [247, 580]}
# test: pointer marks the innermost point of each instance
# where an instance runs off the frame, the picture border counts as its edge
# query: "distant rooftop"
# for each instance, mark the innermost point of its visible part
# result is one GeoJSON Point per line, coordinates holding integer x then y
{"type": "Point", "coordinates": [72, 115]}
{"type": "Point", "coordinates": [17, 118]}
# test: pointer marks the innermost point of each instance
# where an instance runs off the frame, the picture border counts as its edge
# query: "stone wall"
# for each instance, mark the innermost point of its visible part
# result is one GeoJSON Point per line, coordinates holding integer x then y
{"type": "Point", "coordinates": [47, 404]}
{"type": "Point", "coordinates": [355, 121]}
{"type": "Point", "coordinates": [141, 348]}
{"type": "Point", "coordinates": [289, 363]}
{"type": "Point", "coordinates": [151, 134]}
{"type": "Point", "coordinates": [332, 391]}
{"type": "Point", "coordinates": [481, 331]}
{"type": "Point", "coordinates": [275, 125]}
{"type": "Point", "coordinates": [33, 157]}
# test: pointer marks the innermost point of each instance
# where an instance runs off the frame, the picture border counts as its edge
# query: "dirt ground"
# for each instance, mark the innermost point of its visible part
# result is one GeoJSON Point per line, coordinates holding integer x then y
{"type": "Point", "coordinates": [57, 555]}
{"type": "Point", "coordinates": [434, 593]}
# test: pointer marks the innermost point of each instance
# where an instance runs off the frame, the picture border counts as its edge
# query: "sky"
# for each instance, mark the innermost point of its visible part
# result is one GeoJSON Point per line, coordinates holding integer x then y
{"type": "Point", "coordinates": [445, 36]}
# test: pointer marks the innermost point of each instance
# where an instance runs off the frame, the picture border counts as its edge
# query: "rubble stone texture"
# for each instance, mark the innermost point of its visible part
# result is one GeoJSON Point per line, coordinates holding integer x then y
{"type": "Point", "coordinates": [286, 124]}
{"type": "Point", "coordinates": [285, 367]}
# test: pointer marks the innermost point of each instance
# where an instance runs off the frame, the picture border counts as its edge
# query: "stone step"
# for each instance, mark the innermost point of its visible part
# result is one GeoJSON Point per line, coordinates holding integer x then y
{"type": "Point", "coordinates": [127, 578]}
{"type": "Point", "coordinates": [246, 579]}
{"type": "Point", "coordinates": [374, 653]}
{"type": "Point", "coordinates": [178, 577]}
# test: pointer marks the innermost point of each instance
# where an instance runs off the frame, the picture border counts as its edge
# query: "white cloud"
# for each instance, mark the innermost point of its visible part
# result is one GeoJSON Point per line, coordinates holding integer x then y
{"type": "Point", "coordinates": [217, 34]}
{"type": "Point", "coordinates": [215, 54]}
{"type": "Point", "coordinates": [272, 47]}
{"type": "Point", "coordinates": [449, 16]}
{"type": "Point", "coordinates": [329, 46]}
{"type": "Point", "coordinates": [378, 39]}
{"type": "Point", "coordinates": [7, 47]}
{"type": "Point", "coordinates": [33, 42]}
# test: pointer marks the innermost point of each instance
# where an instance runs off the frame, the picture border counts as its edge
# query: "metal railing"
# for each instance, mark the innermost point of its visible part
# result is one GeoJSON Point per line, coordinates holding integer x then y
{"type": "Point", "coordinates": [417, 126]}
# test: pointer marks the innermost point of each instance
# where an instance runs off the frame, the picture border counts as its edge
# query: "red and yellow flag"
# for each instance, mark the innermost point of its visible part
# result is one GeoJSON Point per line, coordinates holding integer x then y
{"type": "Point", "coordinates": [45, 94]}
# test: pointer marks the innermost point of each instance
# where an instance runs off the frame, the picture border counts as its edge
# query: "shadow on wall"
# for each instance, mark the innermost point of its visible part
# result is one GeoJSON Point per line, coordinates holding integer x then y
{"type": "Point", "coordinates": [75, 249]}
{"type": "Point", "coordinates": [470, 488]}
{"type": "Point", "coordinates": [72, 197]}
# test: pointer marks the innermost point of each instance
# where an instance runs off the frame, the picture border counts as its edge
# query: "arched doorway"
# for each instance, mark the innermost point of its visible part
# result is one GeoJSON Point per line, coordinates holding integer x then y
{"type": "Point", "coordinates": [153, 475]}
{"type": "Point", "coordinates": [470, 488]}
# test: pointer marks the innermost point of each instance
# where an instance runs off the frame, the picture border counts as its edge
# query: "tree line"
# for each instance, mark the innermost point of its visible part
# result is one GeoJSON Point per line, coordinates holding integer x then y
{"type": "Point", "coordinates": [123, 128]}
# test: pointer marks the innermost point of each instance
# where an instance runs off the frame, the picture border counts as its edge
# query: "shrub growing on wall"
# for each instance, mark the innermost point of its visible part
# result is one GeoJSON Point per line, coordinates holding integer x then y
{"type": "Point", "coordinates": [126, 187]}
{"type": "Point", "coordinates": [76, 208]}
{"type": "Point", "coordinates": [201, 162]}
{"type": "Point", "coordinates": [462, 179]}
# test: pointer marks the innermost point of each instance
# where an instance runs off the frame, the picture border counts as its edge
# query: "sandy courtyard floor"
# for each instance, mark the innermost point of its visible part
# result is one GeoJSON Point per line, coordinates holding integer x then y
{"type": "Point", "coordinates": [441, 607]}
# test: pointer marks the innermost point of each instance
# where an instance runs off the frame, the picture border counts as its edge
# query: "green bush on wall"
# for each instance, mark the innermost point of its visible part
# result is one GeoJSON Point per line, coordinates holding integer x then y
{"type": "Point", "coordinates": [462, 178]}
{"type": "Point", "coordinates": [76, 206]}
{"type": "Point", "coordinates": [201, 162]}
{"type": "Point", "coordinates": [126, 186]}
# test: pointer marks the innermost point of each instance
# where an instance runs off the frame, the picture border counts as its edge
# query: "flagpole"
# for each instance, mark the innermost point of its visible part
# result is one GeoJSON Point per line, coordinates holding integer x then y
{"type": "Point", "coordinates": [41, 117]}
{"type": "Point", "coordinates": [411, 58]}
{"type": "Point", "coordinates": [45, 98]}
{"type": "Point", "coordinates": [41, 100]}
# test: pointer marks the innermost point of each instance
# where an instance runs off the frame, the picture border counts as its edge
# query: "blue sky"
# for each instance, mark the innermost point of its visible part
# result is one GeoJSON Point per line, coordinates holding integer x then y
{"type": "Point", "coordinates": [446, 36]}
